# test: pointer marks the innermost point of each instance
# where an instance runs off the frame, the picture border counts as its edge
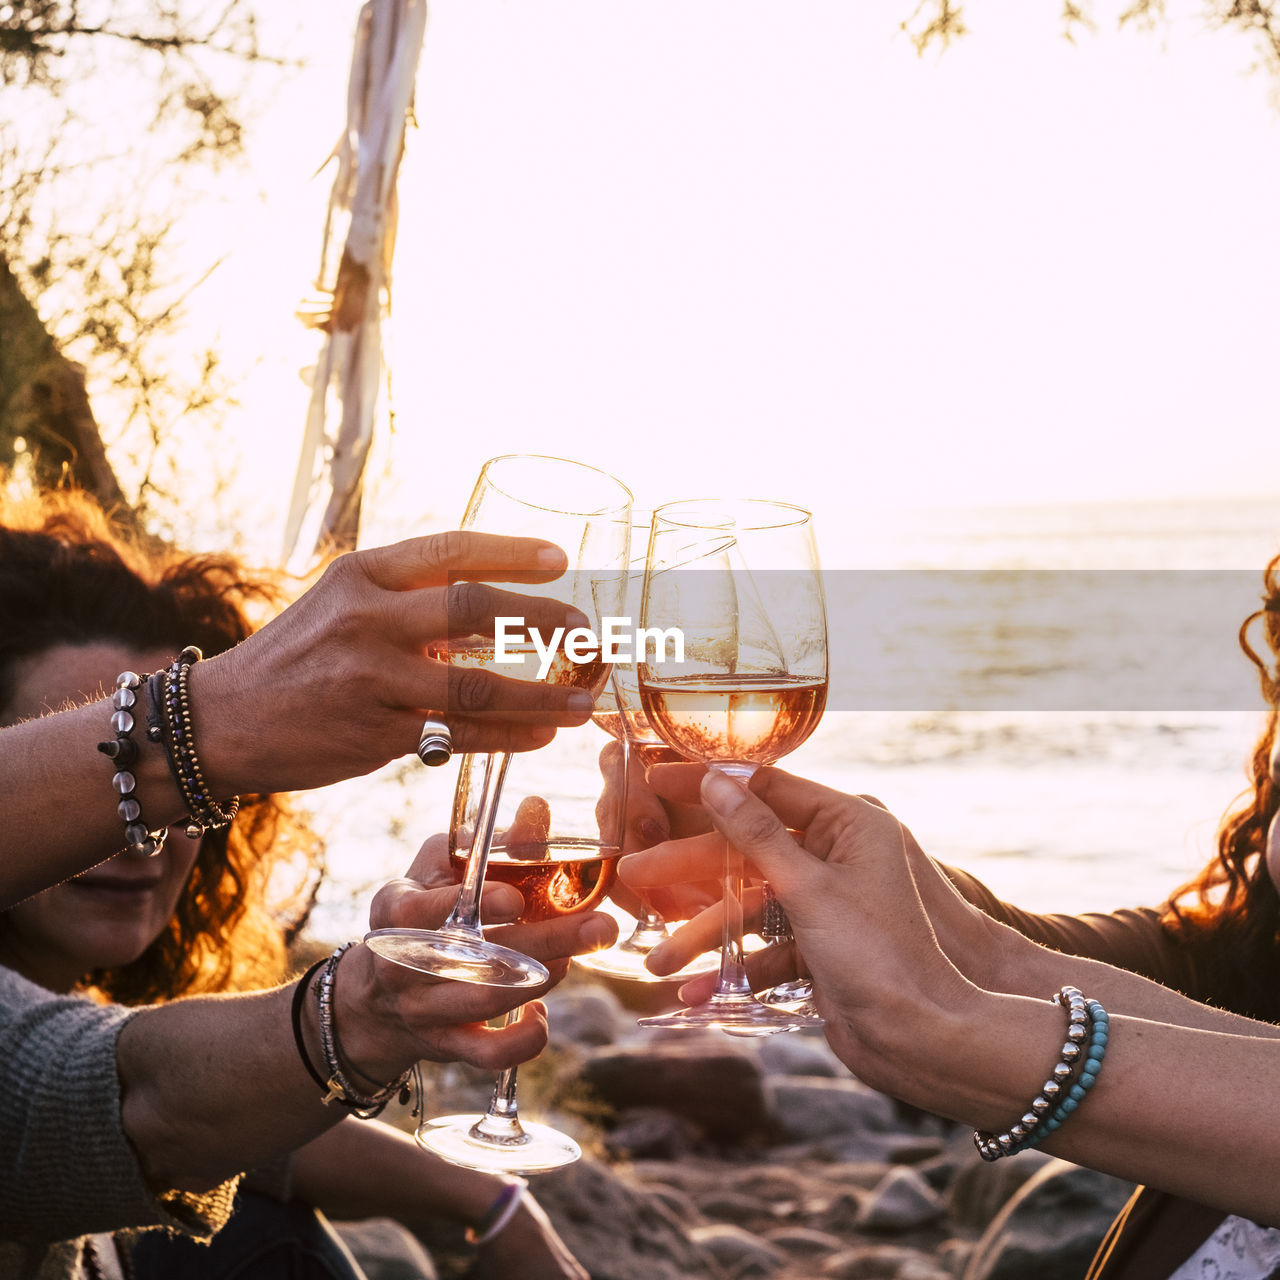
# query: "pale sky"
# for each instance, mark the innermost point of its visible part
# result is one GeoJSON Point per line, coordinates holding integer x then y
{"type": "Point", "coordinates": [737, 247]}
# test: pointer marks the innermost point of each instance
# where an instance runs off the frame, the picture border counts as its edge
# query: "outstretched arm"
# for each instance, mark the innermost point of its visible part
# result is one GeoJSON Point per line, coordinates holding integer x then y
{"type": "Point", "coordinates": [213, 1085]}
{"type": "Point", "coordinates": [333, 688]}
{"type": "Point", "coordinates": [929, 1000]}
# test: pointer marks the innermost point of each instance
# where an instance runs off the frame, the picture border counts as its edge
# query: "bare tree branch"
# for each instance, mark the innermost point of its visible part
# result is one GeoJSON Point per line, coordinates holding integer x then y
{"type": "Point", "coordinates": [934, 20]}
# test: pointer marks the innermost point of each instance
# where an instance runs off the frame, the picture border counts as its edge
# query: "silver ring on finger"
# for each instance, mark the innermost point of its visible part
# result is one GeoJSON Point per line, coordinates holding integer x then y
{"type": "Point", "coordinates": [435, 742]}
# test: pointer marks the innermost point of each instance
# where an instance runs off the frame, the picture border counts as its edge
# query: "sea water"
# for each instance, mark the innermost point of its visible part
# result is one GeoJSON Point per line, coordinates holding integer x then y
{"type": "Point", "coordinates": [1061, 795]}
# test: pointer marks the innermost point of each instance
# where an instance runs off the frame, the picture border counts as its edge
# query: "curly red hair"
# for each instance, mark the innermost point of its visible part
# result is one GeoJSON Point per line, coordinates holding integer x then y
{"type": "Point", "coordinates": [1230, 912]}
{"type": "Point", "coordinates": [69, 574]}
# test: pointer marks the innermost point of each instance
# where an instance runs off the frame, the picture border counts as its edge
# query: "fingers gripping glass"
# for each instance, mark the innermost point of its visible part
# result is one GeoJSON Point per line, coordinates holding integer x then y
{"type": "Point", "coordinates": [587, 513]}
{"type": "Point", "coordinates": [740, 581]}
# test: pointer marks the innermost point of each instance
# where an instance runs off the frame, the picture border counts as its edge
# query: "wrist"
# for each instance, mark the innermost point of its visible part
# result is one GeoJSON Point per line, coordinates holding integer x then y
{"type": "Point", "coordinates": [497, 1217]}
{"type": "Point", "coordinates": [910, 1040]}
{"type": "Point", "coordinates": [224, 752]}
{"type": "Point", "coordinates": [156, 790]}
{"type": "Point", "coordinates": [373, 1037]}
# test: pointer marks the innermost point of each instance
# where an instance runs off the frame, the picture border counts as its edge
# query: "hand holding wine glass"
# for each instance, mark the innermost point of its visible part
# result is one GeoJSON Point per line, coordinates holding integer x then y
{"type": "Point", "coordinates": [587, 513]}
{"type": "Point", "coordinates": [619, 713]}
{"type": "Point", "coordinates": [560, 853]}
{"type": "Point", "coordinates": [739, 580]}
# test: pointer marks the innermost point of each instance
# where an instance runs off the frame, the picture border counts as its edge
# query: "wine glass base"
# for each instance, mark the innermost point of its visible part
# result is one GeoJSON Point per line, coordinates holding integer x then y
{"type": "Point", "coordinates": [457, 956]}
{"type": "Point", "coordinates": [537, 1149]}
{"type": "Point", "coordinates": [737, 1016]}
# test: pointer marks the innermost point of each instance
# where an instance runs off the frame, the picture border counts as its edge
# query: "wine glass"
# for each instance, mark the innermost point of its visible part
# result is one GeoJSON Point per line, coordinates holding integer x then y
{"type": "Point", "coordinates": [587, 513]}
{"type": "Point", "coordinates": [738, 581]}
{"type": "Point", "coordinates": [558, 846]}
{"type": "Point", "coordinates": [619, 713]}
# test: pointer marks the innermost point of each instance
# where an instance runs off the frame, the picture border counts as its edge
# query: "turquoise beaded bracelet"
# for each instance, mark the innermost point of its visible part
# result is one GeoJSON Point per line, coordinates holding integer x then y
{"type": "Point", "coordinates": [1075, 1074]}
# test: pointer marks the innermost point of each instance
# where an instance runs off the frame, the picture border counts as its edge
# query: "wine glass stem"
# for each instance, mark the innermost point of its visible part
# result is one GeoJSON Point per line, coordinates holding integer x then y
{"type": "Point", "coordinates": [651, 929]}
{"type": "Point", "coordinates": [465, 916]}
{"type": "Point", "coordinates": [731, 982]}
{"type": "Point", "coordinates": [502, 1119]}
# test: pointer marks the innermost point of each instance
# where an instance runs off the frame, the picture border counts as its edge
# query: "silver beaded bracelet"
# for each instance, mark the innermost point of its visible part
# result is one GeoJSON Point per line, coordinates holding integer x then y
{"type": "Point", "coordinates": [1060, 1094]}
{"type": "Point", "coordinates": [123, 751]}
{"type": "Point", "coordinates": [340, 1088]}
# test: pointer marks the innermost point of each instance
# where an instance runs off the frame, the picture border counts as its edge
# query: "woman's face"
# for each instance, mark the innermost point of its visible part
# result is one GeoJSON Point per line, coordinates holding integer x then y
{"type": "Point", "coordinates": [109, 915]}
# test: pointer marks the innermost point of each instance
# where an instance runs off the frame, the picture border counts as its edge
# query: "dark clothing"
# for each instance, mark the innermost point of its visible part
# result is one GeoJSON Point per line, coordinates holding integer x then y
{"type": "Point", "coordinates": [264, 1239]}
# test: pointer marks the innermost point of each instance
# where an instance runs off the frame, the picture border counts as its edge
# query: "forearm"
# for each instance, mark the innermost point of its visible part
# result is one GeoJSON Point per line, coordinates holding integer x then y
{"type": "Point", "coordinates": [212, 1086]}
{"type": "Point", "coordinates": [58, 802]}
{"type": "Point", "coordinates": [1164, 1100]}
{"type": "Point", "coordinates": [1021, 967]}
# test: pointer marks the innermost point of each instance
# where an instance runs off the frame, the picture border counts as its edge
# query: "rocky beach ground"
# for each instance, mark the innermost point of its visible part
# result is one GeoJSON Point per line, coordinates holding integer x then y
{"type": "Point", "coordinates": [715, 1158]}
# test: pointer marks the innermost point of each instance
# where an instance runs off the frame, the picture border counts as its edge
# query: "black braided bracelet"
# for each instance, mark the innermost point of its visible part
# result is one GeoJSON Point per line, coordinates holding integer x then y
{"type": "Point", "coordinates": [299, 995]}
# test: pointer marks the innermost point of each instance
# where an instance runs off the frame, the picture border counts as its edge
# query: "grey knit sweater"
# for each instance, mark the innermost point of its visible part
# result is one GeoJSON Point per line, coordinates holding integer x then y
{"type": "Point", "coordinates": [66, 1168]}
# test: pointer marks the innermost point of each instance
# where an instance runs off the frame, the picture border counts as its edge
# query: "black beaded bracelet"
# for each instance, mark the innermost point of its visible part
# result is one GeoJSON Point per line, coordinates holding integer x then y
{"type": "Point", "coordinates": [203, 812]}
{"type": "Point", "coordinates": [123, 751]}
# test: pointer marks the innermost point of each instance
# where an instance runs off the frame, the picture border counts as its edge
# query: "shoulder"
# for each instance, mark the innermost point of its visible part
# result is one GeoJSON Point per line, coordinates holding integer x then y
{"type": "Point", "coordinates": [41, 1023]}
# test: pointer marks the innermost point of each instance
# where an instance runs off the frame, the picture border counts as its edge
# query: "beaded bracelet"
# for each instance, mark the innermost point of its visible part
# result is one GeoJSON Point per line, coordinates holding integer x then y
{"type": "Point", "coordinates": [203, 812]}
{"type": "Point", "coordinates": [332, 1093]}
{"type": "Point", "coordinates": [340, 1089]}
{"type": "Point", "coordinates": [124, 751]}
{"type": "Point", "coordinates": [499, 1213]}
{"type": "Point", "coordinates": [1066, 1087]}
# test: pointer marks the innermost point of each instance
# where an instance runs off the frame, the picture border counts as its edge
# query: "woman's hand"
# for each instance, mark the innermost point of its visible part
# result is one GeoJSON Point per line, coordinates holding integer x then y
{"type": "Point", "coordinates": [403, 1012]}
{"type": "Point", "coordinates": [847, 885]}
{"type": "Point", "coordinates": [528, 1247]}
{"type": "Point", "coordinates": [975, 944]}
{"type": "Point", "coordinates": [659, 809]}
{"type": "Point", "coordinates": [338, 684]}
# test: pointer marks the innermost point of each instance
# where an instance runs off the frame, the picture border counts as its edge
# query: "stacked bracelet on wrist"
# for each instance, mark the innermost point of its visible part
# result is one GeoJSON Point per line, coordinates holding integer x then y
{"type": "Point", "coordinates": [1077, 1070]}
{"type": "Point", "coordinates": [123, 750]}
{"type": "Point", "coordinates": [170, 724]}
{"type": "Point", "coordinates": [338, 1088]}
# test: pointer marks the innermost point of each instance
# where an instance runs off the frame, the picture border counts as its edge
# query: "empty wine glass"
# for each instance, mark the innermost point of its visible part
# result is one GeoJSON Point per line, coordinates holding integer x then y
{"type": "Point", "coordinates": [739, 582]}
{"type": "Point", "coordinates": [558, 844]}
{"type": "Point", "coordinates": [587, 513]}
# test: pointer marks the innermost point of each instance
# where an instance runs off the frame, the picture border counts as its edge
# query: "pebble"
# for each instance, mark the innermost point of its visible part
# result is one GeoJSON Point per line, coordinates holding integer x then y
{"type": "Point", "coordinates": [718, 1159]}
